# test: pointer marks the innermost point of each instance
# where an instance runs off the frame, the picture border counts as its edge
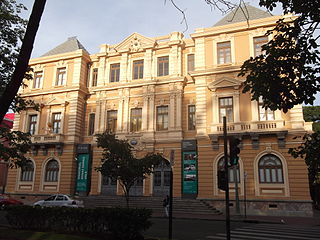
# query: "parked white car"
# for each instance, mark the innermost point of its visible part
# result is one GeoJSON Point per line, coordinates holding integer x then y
{"type": "Point", "coordinates": [59, 200]}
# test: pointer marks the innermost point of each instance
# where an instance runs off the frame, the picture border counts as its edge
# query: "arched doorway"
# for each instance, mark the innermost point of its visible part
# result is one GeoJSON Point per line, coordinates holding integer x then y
{"type": "Point", "coordinates": [161, 179]}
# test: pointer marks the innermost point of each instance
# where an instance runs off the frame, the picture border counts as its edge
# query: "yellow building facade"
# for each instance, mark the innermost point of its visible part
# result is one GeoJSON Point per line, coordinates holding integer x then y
{"type": "Point", "coordinates": [166, 94]}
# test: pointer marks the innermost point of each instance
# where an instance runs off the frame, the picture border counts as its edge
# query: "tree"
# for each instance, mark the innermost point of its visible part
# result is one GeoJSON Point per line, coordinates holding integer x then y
{"type": "Point", "coordinates": [290, 65]}
{"type": "Point", "coordinates": [119, 163]}
{"type": "Point", "coordinates": [310, 151]}
{"type": "Point", "coordinates": [13, 61]}
{"type": "Point", "coordinates": [312, 114]}
{"type": "Point", "coordinates": [13, 144]}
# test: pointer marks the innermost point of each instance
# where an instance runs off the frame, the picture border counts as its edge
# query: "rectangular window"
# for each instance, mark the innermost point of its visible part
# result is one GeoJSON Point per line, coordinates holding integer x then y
{"type": "Point", "coordinates": [163, 66]}
{"type": "Point", "coordinates": [32, 124]}
{"type": "Point", "coordinates": [136, 119]}
{"type": "Point", "coordinates": [138, 69]}
{"type": "Point", "coordinates": [257, 44]}
{"type": "Point", "coordinates": [190, 62]}
{"type": "Point", "coordinates": [94, 77]}
{"type": "Point", "coordinates": [61, 77]}
{"type": "Point", "coordinates": [265, 114]}
{"type": "Point", "coordinates": [224, 52]}
{"type": "Point", "coordinates": [112, 121]}
{"type": "Point", "coordinates": [91, 124]}
{"type": "Point", "coordinates": [226, 109]}
{"type": "Point", "coordinates": [115, 72]}
{"type": "Point", "coordinates": [56, 122]}
{"type": "Point", "coordinates": [37, 79]}
{"type": "Point", "coordinates": [162, 118]}
{"type": "Point", "coordinates": [191, 117]}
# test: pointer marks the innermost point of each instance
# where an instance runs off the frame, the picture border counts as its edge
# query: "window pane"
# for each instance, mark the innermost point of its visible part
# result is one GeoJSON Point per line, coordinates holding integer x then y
{"type": "Point", "coordinates": [224, 52]}
{"type": "Point", "coordinates": [261, 171]}
{"type": "Point", "coordinates": [190, 62]}
{"type": "Point", "coordinates": [94, 77]}
{"type": "Point", "coordinates": [157, 178]}
{"type": "Point", "coordinates": [163, 66]}
{"type": "Point", "coordinates": [136, 119]}
{"type": "Point", "coordinates": [258, 42]}
{"type": "Point", "coordinates": [162, 118]}
{"type": "Point", "coordinates": [191, 117]}
{"type": "Point", "coordinates": [56, 122]}
{"type": "Point", "coordinates": [138, 69]}
{"type": "Point", "coordinates": [112, 121]}
{"type": "Point", "coordinates": [226, 109]}
{"type": "Point", "coordinates": [91, 124]}
{"type": "Point", "coordinates": [27, 171]}
{"type": "Point", "coordinates": [37, 79]}
{"type": "Point", "coordinates": [61, 76]}
{"type": "Point", "coordinates": [166, 178]}
{"type": "Point", "coordinates": [52, 171]}
{"type": "Point", "coordinates": [115, 72]}
{"type": "Point", "coordinates": [32, 124]}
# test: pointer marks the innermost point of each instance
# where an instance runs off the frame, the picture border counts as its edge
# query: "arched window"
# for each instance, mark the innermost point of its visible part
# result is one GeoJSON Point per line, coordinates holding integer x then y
{"type": "Point", "coordinates": [52, 171]}
{"type": "Point", "coordinates": [231, 171]}
{"type": "Point", "coordinates": [27, 172]}
{"type": "Point", "coordinates": [270, 169]}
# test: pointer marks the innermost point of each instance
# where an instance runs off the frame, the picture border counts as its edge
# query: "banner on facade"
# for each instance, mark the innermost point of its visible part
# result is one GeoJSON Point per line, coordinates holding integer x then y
{"type": "Point", "coordinates": [83, 172]}
{"type": "Point", "coordinates": [189, 167]}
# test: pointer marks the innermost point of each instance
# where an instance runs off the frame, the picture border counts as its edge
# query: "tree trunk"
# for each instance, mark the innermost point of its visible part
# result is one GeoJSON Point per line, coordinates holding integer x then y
{"type": "Point", "coordinates": [23, 58]}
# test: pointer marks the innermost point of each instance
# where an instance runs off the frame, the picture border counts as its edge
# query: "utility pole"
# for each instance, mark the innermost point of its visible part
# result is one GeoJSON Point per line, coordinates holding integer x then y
{"type": "Point", "coordinates": [226, 163]}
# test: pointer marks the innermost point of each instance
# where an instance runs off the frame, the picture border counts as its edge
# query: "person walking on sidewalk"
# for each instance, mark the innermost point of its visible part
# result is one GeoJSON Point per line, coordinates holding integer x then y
{"type": "Point", "coordinates": [165, 204]}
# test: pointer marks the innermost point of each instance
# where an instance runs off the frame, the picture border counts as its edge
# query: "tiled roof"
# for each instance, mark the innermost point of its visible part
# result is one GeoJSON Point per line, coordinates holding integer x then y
{"type": "Point", "coordinates": [71, 45]}
{"type": "Point", "coordinates": [240, 14]}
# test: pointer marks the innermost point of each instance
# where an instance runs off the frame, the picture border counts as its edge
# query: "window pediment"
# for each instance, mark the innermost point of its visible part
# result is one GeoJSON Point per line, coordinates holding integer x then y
{"type": "Point", "coordinates": [134, 43]}
{"type": "Point", "coordinates": [224, 83]}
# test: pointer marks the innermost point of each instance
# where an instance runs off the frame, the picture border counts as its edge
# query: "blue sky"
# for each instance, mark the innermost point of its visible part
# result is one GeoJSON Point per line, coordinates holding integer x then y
{"type": "Point", "coordinates": [96, 22]}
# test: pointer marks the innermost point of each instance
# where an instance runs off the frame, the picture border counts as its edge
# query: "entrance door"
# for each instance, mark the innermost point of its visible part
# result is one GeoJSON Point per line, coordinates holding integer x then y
{"type": "Point", "coordinates": [137, 188]}
{"type": "Point", "coordinates": [161, 179]}
{"type": "Point", "coordinates": [108, 186]}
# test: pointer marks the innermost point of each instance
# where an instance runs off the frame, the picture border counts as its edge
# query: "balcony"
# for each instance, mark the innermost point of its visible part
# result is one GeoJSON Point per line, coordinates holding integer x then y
{"type": "Point", "coordinates": [47, 138]}
{"type": "Point", "coordinates": [242, 127]}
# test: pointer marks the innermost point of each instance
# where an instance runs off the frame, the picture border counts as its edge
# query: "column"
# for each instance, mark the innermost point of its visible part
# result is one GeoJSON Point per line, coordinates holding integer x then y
{"type": "Point", "coordinates": [236, 103]}
{"type": "Point", "coordinates": [125, 114]}
{"type": "Point", "coordinates": [97, 117]}
{"type": "Point", "coordinates": [144, 125]}
{"type": "Point", "coordinates": [151, 114]}
{"type": "Point", "coordinates": [148, 64]}
{"type": "Point", "coordinates": [123, 67]}
{"type": "Point", "coordinates": [171, 111]}
{"type": "Point", "coordinates": [179, 110]}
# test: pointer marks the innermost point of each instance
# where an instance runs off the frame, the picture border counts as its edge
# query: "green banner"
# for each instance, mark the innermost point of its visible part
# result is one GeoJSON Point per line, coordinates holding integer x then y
{"type": "Point", "coordinates": [82, 173]}
{"type": "Point", "coordinates": [190, 172]}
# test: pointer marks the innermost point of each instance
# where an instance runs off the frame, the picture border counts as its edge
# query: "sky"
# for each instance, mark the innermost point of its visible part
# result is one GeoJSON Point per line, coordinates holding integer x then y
{"type": "Point", "coordinates": [96, 22]}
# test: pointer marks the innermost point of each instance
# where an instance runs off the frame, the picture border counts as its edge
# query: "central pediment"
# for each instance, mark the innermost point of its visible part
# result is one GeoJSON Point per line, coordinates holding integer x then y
{"type": "Point", "coordinates": [224, 82]}
{"type": "Point", "coordinates": [134, 43]}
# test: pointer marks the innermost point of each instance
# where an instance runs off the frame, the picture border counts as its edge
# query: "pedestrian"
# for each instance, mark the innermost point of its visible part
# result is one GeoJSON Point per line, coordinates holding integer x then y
{"type": "Point", "coordinates": [165, 204]}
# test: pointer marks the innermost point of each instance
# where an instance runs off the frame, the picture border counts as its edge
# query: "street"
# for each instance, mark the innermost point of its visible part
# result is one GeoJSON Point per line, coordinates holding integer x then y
{"type": "Point", "coordinates": [196, 229]}
{"type": "Point", "coordinates": [189, 229]}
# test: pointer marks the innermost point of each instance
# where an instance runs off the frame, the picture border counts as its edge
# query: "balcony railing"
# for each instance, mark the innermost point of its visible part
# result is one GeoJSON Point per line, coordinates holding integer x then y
{"type": "Point", "coordinates": [48, 138]}
{"type": "Point", "coordinates": [249, 126]}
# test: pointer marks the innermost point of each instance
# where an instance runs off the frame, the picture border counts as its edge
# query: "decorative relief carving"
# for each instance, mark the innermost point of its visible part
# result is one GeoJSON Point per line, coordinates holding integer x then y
{"type": "Point", "coordinates": [135, 44]}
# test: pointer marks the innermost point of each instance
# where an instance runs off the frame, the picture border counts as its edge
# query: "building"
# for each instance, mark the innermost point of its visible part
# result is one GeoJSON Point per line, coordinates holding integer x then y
{"type": "Point", "coordinates": [162, 94]}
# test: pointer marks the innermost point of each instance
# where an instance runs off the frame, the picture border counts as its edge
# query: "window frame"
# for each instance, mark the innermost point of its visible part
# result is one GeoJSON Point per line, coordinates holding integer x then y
{"type": "Point", "coordinates": [162, 120]}
{"type": "Point", "coordinates": [94, 80]}
{"type": "Point", "coordinates": [190, 62]}
{"type": "Point", "coordinates": [37, 79]}
{"type": "Point", "coordinates": [135, 119]}
{"type": "Point", "coordinates": [26, 173]}
{"type": "Point", "coordinates": [258, 41]}
{"type": "Point", "coordinates": [191, 117]}
{"type": "Point", "coordinates": [226, 107]}
{"type": "Point", "coordinates": [91, 124]}
{"type": "Point", "coordinates": [137, 69]}
{"type": "Point", "coordinates": [163, 66]}
{"type": "Point", "coordinates": [114, 72]}
{"type": "Point", "coordinates": [52, 174]}
{"type": "Point", "coordinates": [32, 124]}
{"type": "Point", "coordinates": [222, 52]}
{"type": "Point", "coordinates": [56, 123]}
{"type": "Point", "coordinates": [265, 173]}
{"type": "Point", "coordinates": [61, 78]}
{"type": "Point", "coordinates": [268, 113]}
{"type": "Point", "coordinates": [112, 121]}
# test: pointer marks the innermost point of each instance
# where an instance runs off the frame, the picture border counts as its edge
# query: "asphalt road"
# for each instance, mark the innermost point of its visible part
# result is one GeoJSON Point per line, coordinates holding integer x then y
{"type": "Point", "coordinates": [189, 229]}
